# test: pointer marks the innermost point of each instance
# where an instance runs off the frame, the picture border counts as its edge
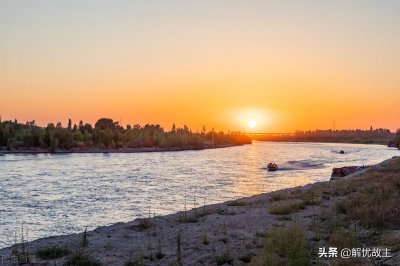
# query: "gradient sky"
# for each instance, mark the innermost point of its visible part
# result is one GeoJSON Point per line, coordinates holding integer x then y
{"type": "Point", "coordinates": [287, 64]}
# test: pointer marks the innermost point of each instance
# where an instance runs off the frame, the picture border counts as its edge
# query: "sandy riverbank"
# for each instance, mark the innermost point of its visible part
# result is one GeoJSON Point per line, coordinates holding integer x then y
{"type": "Point", "coordinates": [239, 232]}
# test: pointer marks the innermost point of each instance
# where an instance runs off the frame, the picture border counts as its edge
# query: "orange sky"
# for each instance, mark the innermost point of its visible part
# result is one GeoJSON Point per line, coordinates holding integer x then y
{"type": "Point", "coordinates": [291, 66]}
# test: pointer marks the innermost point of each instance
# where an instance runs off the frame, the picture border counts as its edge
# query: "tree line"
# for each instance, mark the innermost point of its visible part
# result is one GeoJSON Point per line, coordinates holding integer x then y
{"type": "Point", "coordinates": [109, 134]}
{"type": "Point", "coordinates": [370, 136]}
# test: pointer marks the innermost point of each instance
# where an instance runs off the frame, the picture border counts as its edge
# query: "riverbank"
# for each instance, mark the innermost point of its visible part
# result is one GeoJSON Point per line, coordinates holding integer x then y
{"type": "Point", "coordinates": [371, 136]}
{"type": "Point", "coordinates": [286, 226]}
{"type": "Point", "coordinates": [116, 150]}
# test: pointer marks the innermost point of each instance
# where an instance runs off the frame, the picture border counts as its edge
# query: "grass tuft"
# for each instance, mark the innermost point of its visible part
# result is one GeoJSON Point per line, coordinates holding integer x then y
{"type": "Point", "coordinates": [138, 260]}
{"type": "Point", "coordinates": [246, 258]}
{"type": "Point", "coordinates": [224, 258]}
{"type": "Point", "coordinates": [261, 234]}
{"type": "Point", "coordinates": [236, 203]}
{"type": "Point", "coordinates": [52, 252]}
{"type": "Point", "coordinates": [205, 240]}
{"type": "Point", "coordinates": [285, 246]}
{"type": "Point", "coordinates": [341, 207]}
{"type": "Point", "coordinates": [82, 260]}
{"type": "Point", "coordinates": [278, 196]}
{"type": "Point", "coordinates": [287, 207]}
{"type": "Point", "coordinates": [145, 223]}
{"type": "Point", "coordinates": [188, 218]}
{"type": "Point", "coordinates": [159, 253]}
{"type": "Point", "coordinates": [342, 239]}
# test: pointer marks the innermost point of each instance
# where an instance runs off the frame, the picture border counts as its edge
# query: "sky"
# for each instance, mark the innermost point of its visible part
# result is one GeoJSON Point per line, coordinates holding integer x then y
{"type": "Point", "coordinates": [288, 65]}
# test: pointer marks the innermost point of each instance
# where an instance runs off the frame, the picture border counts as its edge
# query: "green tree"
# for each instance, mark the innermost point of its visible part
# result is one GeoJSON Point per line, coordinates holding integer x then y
{"type": "Point", "coordinates": [54, 144]}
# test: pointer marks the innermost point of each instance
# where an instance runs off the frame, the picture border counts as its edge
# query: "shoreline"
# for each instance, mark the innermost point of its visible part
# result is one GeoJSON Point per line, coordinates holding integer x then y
{"type": "Point", "coordinates": [118, 150]}
{"type": "Point", "coordinates": [325, 142]}
{"type": "Point", "coordinates": [4, 151]}
{"type": "Point", "coordinates": [222, 225]}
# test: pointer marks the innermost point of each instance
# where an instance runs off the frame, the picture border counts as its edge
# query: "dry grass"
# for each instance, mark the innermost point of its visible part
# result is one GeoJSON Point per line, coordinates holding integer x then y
{"type": "Point", "coordinates": [342, 239]}
{"type": "Point", "coordinates": [377, 199]}
{"type": "Point", "coordinates": [286, 207]}
{"type": "Point", "coordinates": [236, 203]}
{"type": "Point", "coordinates": [359, 211]}
{"type": "Point", "coordinates": [285, 246]}
{"type": "Point", "coordinates": [188, 218]}
{"type": "Point", "coordinates": [81, 259]}
{"type": "Point", "coordinates": [278, 196]}
{"type": "Point", "coordinates": [224, 257]}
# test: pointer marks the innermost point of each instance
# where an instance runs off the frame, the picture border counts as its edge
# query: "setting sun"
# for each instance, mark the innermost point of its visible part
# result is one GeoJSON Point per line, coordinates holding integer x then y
{"type": "Point", "coordinates": [252, 123]}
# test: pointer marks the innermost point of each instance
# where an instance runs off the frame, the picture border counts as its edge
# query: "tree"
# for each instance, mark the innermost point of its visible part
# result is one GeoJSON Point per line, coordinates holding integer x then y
{"type": "Point", "coordinates": [81, 126]}
{"type": "Point", "coordinates": [203, 130]}
{"type": "Point", "coordinates": [69, 124]}
{"type": "Point", "coordinates": [105, 123]}
{"type": "Point", "coordinates": [108, 134]}
{"type": "Point", "coordinates": [54, 144]}
{"type": "Point", "coordinates": [78, 136]}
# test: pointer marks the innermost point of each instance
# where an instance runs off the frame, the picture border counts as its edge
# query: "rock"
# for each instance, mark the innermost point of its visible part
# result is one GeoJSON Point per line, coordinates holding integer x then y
{"type": "Point", "coordinates": [344, 171]}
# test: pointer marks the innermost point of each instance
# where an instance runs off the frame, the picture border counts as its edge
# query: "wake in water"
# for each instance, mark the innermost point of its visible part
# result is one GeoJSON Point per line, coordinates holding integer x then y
{"type": "Point", "coordinates": [345, 151]}
{"type": "Point", "coordinates": [297, 165]}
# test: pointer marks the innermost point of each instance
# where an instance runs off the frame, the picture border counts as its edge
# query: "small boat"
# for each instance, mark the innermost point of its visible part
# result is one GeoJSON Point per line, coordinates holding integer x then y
{"type": "Point", "coordinates": [272, 167]}
{"type": "Point", "coordinates": [341, 152]}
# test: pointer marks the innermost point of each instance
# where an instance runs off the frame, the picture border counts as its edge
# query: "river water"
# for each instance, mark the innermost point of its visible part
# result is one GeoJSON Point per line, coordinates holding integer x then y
{"type": "Point", "coordinates": [53, 194]}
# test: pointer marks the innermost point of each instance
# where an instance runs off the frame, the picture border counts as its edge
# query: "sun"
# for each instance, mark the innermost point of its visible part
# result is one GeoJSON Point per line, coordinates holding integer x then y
{"type": "Point", "coordinates": [252, 123]}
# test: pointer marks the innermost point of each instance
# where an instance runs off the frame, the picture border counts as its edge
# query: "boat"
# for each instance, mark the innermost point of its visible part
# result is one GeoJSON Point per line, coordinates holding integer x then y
{"type": "Point", "coordinates": [341, 152]}
{"type": "Point", "coordinates": [272, 167]}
